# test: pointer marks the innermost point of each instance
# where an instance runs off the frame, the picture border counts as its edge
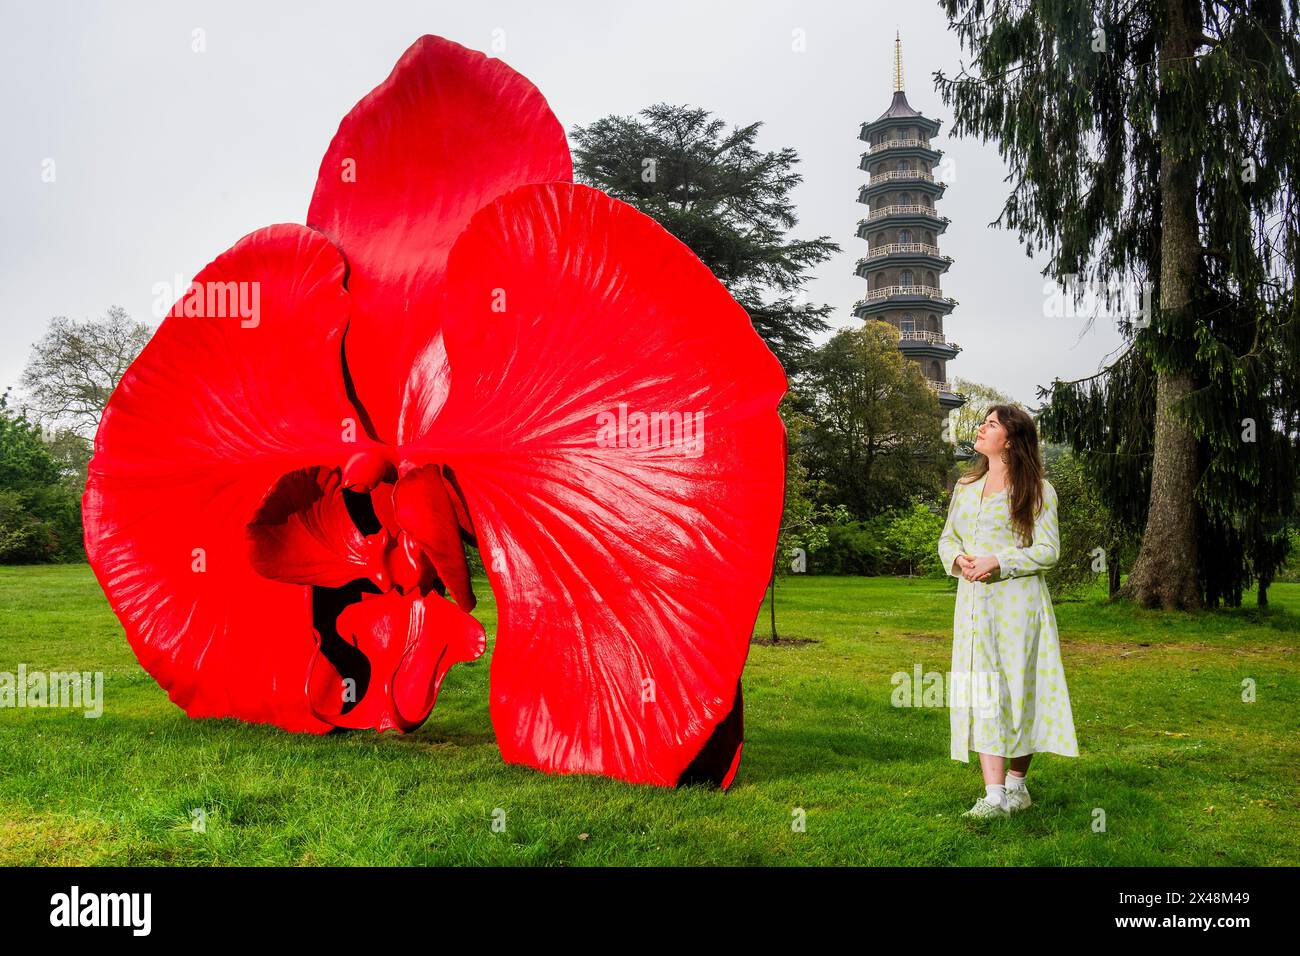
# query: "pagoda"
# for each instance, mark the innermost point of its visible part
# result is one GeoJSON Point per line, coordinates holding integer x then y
{"type": "Point", "coordinates": [903, 264]}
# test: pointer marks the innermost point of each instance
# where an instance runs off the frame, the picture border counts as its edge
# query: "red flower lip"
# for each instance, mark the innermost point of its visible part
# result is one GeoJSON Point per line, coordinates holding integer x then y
{"type": "Point", "coordinates": [278, 509]}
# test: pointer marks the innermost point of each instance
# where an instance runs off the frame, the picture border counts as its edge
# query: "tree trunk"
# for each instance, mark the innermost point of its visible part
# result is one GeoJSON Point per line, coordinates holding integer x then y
{"type": "Point", "coordinates": [772, 606]}
{"type": "Point", "coordinates": [1165, 572]}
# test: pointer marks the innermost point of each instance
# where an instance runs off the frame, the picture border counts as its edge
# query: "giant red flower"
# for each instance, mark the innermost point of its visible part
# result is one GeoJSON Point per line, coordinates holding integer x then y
{"type": "Point", "coordinates": [460, 347]}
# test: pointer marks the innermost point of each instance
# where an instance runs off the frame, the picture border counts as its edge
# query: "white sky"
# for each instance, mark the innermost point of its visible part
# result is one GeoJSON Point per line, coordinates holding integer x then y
{"type": "Point", "coordinates": [164, 157]}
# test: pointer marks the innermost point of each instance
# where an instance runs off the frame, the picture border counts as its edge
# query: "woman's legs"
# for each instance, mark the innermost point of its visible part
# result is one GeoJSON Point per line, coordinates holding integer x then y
{"type": "Point", "coordinates": [994, 768]}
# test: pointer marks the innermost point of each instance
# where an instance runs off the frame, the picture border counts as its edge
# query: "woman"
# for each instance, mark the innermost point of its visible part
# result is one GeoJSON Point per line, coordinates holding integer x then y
{"type": "Point", "coordinates": [1008, 694]}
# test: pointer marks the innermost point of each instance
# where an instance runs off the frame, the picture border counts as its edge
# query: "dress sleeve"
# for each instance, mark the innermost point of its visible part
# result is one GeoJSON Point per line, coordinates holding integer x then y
{"type": "Point", "coordinates": [949, 544]}
{"type": "Point", "coordinates": [1045, 550]}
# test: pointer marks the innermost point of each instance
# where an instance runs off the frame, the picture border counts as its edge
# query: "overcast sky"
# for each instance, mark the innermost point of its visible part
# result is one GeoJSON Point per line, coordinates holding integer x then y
{"type": "Point", "coordinates": [164, 157]}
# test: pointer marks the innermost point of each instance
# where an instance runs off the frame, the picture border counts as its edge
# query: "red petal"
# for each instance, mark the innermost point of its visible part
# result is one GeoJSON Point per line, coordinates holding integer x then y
{"type": "Point", "coordinates": [303, 534]}
{"type": "Point", "coordinates": [450, 636]}
{"type": "Point", "coordinates": [621, 573]}
{"type": "Point", "coordinates": [425, 512]}
{"type": "Point", "coordinates": [381, 498]}
{"type": "Point", "coordinates": [458, 503]}
{"type": "Point", "coordinates": [366, 470]}
{"type": "Point", "coordinates": [448, 131]}
{"type": "Point", "coordinates": [204, 423]}
{"type": "Point", "coordinates": [410, 643]}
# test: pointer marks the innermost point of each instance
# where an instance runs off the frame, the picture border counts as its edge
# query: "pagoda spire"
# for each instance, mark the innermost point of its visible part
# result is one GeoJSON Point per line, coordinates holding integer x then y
{"type": "Point", "coordinates": [898, 63]}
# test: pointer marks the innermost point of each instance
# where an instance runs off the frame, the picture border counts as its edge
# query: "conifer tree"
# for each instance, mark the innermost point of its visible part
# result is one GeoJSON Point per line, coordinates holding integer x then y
{"type": "Point", "coordinates": [729, 201]}
{"type": "Point", "coordinates": [1158, 141]}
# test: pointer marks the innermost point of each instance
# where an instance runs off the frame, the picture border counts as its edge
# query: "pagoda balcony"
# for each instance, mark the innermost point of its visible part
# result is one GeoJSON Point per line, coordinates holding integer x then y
{"type": "Point", "coordinates": [879, 258]}
{"type": "Point", "coordinates": [929, 338]}
{"type": "Point", "coordinates": [943, 389]}
{"type": "Point", "coordinates": [904, 248]}
{"type": "Point", "coordinates": [901, 179]}
{"type": "Point", "coordinates": [919, 151]}
{"type": "Point", "coordinates": [914, 209]}
{"type": "Point", "coordinates": [909, 215]}
{"type": "Point", "coordinates": [933, 293]}
{"type": "Point", "coordinates": [899, 174]}
{"type": "Point", "coordinates": [908, 143]}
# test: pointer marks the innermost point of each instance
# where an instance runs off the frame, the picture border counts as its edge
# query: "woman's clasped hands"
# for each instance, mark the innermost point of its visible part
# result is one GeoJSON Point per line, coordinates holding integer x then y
{"type": "Point", "coordinates": [977, 568]}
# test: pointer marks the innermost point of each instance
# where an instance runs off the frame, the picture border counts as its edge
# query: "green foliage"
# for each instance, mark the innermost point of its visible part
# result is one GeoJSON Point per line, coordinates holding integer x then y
{"type": "Point", "coordinates": [900, 541]}
{"type": "Point", "coordinates": [72, 453]}
{"type": "Point", "coordinates": [1093, 542]}
{"type": "Point", "coordinates": [855, 547]}
{"type": "Point", "coordinates": [912, 538]}
{"type": "Point", "coordinates": [24, 538]}
{"type": "Point", "coordinates": [1290, 570]}
{"type": "Point", "coordinates": [40, 512]}
{"type": "Point", "coordinates": [25, 461]}
{"type": "Point", "coordinates": [875, 441]}
{"type": "Point", "coordinates": [728, 201]}
{"type": "Point", "coordinates": [805, 522]}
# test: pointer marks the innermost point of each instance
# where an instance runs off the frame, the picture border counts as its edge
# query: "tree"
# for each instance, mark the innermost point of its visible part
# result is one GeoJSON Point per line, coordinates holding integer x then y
{"type": "Point", "coordinates": [1157, 141]}
{"type": "Point", "coordinates": [874, 443]}
{"type": "Point", "coordinates": [74, 368]}
{"type": "Point", "coordinates": [1093, 540]}
{"type": "Point", "coordinates": [724, 198]}
{"type": "Point", "coordinates": [72, 453]}
{"type": "Point", "coordinates": [912, 536]}
{"type": "Point", "coordinates": [804, 523]}
{"type": "Point", "coordinates": [40, 518]}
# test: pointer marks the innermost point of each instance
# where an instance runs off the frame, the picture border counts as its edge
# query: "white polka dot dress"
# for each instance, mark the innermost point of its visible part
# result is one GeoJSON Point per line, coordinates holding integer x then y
{"type": "Point", "coordinates": [1007, 686]}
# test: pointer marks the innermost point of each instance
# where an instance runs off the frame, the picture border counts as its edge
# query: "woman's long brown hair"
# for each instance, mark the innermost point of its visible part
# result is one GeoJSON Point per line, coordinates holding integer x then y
{"type": "Point", "coordinates": [1024, 469]}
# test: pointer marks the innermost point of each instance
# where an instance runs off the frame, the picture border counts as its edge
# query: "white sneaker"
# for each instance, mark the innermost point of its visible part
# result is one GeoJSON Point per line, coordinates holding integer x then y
{"type": "Point", "coordinates": [985, 810]}
{"type": "Point", "coordinates": [1018, 799]}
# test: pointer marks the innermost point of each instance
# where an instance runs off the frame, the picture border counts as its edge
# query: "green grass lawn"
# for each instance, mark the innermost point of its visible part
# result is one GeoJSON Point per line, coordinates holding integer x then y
{"type": "Point", "coordinates": [1184, 770]}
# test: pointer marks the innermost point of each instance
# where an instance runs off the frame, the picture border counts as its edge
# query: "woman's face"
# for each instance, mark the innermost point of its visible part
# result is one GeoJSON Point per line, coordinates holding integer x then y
{"type": "Point", "coordinates": [991, 438]}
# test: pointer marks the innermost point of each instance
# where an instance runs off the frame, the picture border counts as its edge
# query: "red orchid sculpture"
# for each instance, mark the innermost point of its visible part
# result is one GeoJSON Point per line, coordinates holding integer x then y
{"type": "Point", "coordinates": [461, 346]}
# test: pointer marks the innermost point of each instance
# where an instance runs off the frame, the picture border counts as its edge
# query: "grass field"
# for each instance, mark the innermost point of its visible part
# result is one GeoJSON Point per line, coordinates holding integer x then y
{"type": "Point", "coordinates": [1184, 770]}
